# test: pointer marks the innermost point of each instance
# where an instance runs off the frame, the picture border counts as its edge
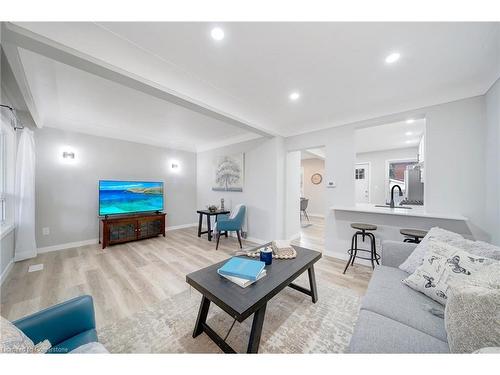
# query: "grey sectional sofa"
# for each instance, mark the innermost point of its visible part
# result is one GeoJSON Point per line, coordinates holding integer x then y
{"type": "Point", "coordinates": [393, 317]}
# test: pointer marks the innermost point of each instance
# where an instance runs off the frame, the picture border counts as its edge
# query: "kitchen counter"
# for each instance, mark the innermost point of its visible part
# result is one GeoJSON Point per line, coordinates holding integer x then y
{"type": "Point", "coordinates": [415, 211]}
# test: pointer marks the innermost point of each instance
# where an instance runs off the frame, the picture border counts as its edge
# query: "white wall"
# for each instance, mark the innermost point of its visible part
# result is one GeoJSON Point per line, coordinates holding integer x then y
{"type": "Point", "coordinates": [455, 173]}
{"type": "Point", "coordinates": [315, 193]}
{"type": "Point", "coordinates": [493, 161]}
{"type": "Point", "coordinates": [67, 194]}
{"type": "Point", "coordinates": [263, 191]}
{"type": "Point", "coordinates": [292, 186]}
{"type": "Point", "coordinates": [377, 160]}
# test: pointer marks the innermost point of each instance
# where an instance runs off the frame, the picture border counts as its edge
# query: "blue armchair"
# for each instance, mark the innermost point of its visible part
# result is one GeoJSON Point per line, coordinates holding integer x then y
{"type": "Point", "coordinates": [67, 325]}
{"type": "Point", "coordinates": [231, 223]}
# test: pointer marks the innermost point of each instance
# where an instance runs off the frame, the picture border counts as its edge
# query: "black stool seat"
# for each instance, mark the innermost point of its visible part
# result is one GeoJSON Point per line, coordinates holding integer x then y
{"type": "Point", "coordinates": [417, 233]}
{"type": "Point", "coordinates": [363, 230]}
{"type": "Point", "coordinates": [413, 235]}
{"type": "Point", "coordinates": [363, 226]}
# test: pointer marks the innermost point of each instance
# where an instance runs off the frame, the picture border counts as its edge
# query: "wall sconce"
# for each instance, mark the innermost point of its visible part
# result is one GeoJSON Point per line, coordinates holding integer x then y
{"type": "Point", "coordinates": [175, 166]}
{"type": "Point", "coordinates": [68, 155]}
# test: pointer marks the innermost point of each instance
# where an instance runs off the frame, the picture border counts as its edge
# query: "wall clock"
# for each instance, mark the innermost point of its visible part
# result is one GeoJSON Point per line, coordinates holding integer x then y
{"type": "Point", "coordinates": [316, 178]}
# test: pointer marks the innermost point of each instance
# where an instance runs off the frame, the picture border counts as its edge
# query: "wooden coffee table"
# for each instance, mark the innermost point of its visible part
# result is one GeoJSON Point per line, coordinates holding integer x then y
{"type": "Point", "coordinates": [240, 303]}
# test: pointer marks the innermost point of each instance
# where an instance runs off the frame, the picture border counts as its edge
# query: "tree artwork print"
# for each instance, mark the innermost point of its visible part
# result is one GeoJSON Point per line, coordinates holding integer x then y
{"type": "Point", "coordinates": [229, 173]}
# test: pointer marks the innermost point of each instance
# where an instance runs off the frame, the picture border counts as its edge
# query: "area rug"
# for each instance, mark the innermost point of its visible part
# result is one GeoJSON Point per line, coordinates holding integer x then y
{"type": "Point", "coordinates": [293, 324]}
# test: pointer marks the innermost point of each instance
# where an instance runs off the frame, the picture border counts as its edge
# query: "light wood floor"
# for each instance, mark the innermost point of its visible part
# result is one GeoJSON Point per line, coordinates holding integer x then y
{"type": "Point", "coordinates": [127, 278]}
{"type": "Point", "coordinates": [312, 234]}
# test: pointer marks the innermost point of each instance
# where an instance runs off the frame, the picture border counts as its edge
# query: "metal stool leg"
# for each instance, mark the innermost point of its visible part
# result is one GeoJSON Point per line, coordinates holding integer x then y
{"type": "Point", "coordinates": [372, 248]}
{"type": "Point", "coordinates": [374, 245]}
{"type": "Point", "coordinates": [355, 247]}
{"type": "Point", "coordinates": [350, 255]}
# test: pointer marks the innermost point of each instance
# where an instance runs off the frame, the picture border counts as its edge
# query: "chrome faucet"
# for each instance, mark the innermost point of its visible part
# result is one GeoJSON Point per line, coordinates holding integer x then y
{"type": "Point", "coordinates": [392, 194]}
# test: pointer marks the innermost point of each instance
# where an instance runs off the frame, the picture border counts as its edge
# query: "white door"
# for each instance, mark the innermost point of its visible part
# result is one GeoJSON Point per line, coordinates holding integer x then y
{"type": "Point", "coordinates": [362, 181]}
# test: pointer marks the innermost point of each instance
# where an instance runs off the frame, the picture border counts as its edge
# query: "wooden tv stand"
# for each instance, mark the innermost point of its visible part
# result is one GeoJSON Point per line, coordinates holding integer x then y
{"type": "Point", "coordinates": [120, 229]}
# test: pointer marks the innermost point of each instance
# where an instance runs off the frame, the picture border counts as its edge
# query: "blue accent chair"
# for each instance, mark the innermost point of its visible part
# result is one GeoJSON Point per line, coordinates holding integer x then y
{"type": "Point", "coordinates": [67, 325]}
{"type": "Point", "coordinates": [230, 223]}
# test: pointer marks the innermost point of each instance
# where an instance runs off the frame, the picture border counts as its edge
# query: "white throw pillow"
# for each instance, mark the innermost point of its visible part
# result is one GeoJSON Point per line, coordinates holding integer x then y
{"type": "Point", "coordinates": [416, 257]}
{"type": "Point", "coordinates": [472, 318]}
{"type": "Point", "coordinates": [90, 348]}
{"type": "Point", "coordinates": [13, 340]}
{"type": "Point", "coordinates": [478, 248]}
{"type": "Point", "coordinates": [444, 264]}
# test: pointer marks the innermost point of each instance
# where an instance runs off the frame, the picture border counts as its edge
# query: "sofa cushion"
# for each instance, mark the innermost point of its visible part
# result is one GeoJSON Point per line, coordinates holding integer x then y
{"type": "Point", "coordinates": [445, 264]}
{"type": "Point", "coordinates": [74, 342]}
{"type": "Point", "coordinates": [388, 296]}
{"type": "Point", "coordinates": [13, 340]}
{"type": "Point", "coordinates": [375, 333]}
{"type": "Point", "coordinates": [417, 256]}
{"type": "Point", "coordinates": [90, 348]}
{"type": "Point", "coordinates": [472, 318]}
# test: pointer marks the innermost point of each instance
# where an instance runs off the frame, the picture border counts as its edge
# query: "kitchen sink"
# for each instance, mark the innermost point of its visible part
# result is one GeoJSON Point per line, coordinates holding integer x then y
{"type": "Point", "coordinates": [387, 206]}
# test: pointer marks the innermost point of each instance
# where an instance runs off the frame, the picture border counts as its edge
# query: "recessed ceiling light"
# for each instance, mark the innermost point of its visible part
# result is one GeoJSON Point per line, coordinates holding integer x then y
{"type": "Point", "coordinates": [294, 96]}
{"type": "Point", "coordinates": [217, 33]}
{"type": "Point", "coordinates": [408, 133]}
{"type": "Point", "coordinates": [410, 121]}
{"type": "Point", "coordinates": [392, 58]}
{"type": "Point", "coordinates": [411, 141]}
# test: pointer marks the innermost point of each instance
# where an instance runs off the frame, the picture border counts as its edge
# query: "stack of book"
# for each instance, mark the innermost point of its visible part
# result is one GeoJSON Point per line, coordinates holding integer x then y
{"type": "Point", "coordinates": [242, 272]}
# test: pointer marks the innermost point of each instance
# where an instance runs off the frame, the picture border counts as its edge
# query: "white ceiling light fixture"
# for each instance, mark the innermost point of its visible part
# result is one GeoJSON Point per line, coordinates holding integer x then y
{"type": "Point", "coordinates": [408, 133]}
{"type": "Point", "coordinates": [217, 34]}
{"type": "Point", "coordinates": [410, 121]}
{"type": "Point", "coordinates": [294, 96]}
{"type": "Point", "coordinates": [392, 58]}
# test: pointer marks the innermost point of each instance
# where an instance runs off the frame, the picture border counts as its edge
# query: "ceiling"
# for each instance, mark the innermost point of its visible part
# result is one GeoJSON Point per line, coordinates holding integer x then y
{"type": "Point", "coordinates": [313, 153]}
{"type": "Point", "coordinates": [390, 136]}
{"type": "Point", "coordinates": [69, 98]}
{"type": "Point", "coordinates": [338, 68]}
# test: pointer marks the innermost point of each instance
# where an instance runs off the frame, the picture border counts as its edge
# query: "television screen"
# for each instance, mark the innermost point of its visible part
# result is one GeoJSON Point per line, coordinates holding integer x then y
{"type": "Point", "coordinates": [125, 197]}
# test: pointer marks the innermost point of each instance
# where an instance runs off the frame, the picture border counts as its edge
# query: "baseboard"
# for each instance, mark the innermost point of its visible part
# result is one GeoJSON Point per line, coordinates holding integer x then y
{"type": "Point", "coordinates": [94, 241]}
{"type": "Point", "coordinates": [256, 240]}
{"type": "Point", "coordinates": [181, 226]}
{"type": "Point", "coordinates": [316, 215]}
{"type": "Point", "coordinates": [68, 245]}
{"type": "Point", "coordinates": [6, 271]}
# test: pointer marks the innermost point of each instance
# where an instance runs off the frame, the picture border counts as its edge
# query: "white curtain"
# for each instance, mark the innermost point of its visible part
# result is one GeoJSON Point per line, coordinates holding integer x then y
{"type": "Point", "coordinates": [25, 197]}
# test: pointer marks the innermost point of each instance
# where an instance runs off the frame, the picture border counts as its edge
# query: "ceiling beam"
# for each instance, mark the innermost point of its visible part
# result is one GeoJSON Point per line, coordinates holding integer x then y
{"type": "Point", "coordinates": [317, 153]}
{"type": "Point", "coordinates": [46, 47]}
{"type": "Point", "coordinates": [11, 53]}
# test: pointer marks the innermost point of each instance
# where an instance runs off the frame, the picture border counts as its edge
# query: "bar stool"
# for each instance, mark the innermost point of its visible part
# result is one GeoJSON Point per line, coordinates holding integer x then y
{"type": "Point", "coordinates": [413, 235]}
{"type": "Point", "coordinates": [353, 251]}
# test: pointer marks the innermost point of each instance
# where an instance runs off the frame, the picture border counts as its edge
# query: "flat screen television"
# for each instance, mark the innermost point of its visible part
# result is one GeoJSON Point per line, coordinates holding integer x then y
{"type": "Point", "coordinates": [127, 197]}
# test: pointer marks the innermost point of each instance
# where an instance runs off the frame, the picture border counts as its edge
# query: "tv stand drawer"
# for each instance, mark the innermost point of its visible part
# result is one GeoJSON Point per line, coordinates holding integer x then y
{"type": "Point", "coordinates": [135, 227]}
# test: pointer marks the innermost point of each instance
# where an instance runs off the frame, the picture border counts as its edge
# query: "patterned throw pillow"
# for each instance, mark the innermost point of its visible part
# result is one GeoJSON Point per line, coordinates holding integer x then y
{"type": "Point", "coordinates": [442, 265]}
{"type": "Point", "coordinates": [415, 259]}
{"type": "Point", "coordinates": [13, 340]}
{"type": "Point", "coordinates": [472, 318]}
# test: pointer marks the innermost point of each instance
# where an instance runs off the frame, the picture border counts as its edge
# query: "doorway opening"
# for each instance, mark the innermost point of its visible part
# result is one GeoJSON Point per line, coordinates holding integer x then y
{"type": "Point", "coordinates": [309, 199]}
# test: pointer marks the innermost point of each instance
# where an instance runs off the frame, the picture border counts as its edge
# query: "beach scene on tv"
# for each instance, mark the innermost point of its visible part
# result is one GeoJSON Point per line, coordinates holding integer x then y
{"type": "Point", "coordinates": [124, 197]}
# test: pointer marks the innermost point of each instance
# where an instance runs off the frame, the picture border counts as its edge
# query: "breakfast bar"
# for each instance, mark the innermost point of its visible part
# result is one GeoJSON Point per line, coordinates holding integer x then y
{"type": "Point", "coordinates": [389, 222]}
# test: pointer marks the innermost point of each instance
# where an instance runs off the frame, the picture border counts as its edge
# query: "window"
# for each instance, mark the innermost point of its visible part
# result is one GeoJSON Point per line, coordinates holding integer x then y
{"type": "Point", "coordinates": [360, 174]}
{"type": "Point", "coordinates": [396, 176]}
{"type": "Point", "coordinates": [7, 171]}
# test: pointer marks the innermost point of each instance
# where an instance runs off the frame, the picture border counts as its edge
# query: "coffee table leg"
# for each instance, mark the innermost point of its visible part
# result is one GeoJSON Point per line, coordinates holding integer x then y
{"type": "Point", "coordinates": [258, 322]}
{"type": "Point", "coordinates": [312, 284]}
{"type": "Point", "coordinates": [202, 316]}
{"type": "Point", "coordinates": [200, 220]}
{"type": "Point", "coordinates": [209, 228]}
